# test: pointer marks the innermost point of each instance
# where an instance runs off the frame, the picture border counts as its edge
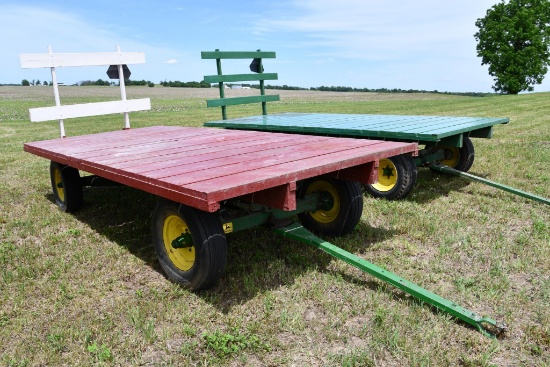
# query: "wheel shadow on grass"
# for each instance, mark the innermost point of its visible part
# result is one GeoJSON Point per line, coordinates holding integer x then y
{"type": "Point", "coordinates": [432, 185]}
{"type": "Point", "coordinates": [258, 260]}
{"type": "Point", "coordinates": [123, 215]}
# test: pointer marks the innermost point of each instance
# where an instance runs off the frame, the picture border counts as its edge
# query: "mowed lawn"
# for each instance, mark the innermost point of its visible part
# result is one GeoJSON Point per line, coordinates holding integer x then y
{"type": "Point", "coordinates": [86, 288]}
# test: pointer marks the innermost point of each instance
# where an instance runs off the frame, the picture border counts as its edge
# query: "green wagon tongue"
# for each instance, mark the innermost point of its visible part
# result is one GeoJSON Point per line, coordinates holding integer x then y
{"type": "Point", "coordinates": [486, 326]}
{"type": "Point", "coordinates": [452, 171]}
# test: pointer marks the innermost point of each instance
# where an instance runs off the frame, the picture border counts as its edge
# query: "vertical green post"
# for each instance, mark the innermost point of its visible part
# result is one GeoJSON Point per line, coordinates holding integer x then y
{"type": "Point", "coordinates": [221, 87]}
{"type": "Point", "coordinates": [262, 87]}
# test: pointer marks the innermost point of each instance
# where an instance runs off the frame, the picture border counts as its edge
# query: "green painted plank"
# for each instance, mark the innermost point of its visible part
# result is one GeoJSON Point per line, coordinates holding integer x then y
{"type": "Point", "coordinates": [425, 129]}
{"type": "Point", "coordinates": [241, 100]}
{"type": "Point", "coordinates": [240, 77]}
{"type": "Point", "coordinates": [316, 124]}
{"type": "Point", "coordinates": [409, 124]}
{"type": "Point", "coordinates": [237, 54]}
{"type": "Point", "coordinates": [419, 125]}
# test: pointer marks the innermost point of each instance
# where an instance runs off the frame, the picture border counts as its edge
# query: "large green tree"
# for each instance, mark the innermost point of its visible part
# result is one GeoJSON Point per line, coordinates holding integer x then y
{"type": "Point", "coordinates": [514, 40]}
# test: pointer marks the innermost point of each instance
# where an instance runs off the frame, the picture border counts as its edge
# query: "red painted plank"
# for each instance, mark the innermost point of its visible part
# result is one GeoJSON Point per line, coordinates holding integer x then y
{"type": "Point", "coordinates": [74, 149]}
{"type": "Point", "coordinates": [186, 137]}
{"type": "Point", "coordinates": [154, 153]}
{"type": "Point", "coordinates": [166, 155]}
{"type": "Point", "coordinates": [233, 162]}
{"type": "Point", "coordinates": [107, 139]}
{"type": "Point", "coordinates": [100, 144]}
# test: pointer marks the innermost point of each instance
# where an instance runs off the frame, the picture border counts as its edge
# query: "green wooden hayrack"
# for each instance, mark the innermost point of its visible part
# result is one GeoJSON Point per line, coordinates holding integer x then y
{"type": "Point", "coordinates": [256, 67]}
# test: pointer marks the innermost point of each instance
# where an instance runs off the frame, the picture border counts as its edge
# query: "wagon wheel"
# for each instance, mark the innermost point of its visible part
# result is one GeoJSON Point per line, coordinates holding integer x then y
{"type": "Point", "coordinates": [66, 187]}
{"type": "Point", "coordinates": [396, 178]}
{"type": "Point", "coordinates": [190, 244]}
{"type": "Point", "coordinates": [340, 206]}
{"type": "Point", "coordinates": [458, 158]}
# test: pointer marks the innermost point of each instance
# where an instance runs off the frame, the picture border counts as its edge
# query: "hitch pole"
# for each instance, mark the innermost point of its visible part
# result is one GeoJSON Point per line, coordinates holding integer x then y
{"type": "Point", "coordinates": [445, 169]}
{"type": "Point", "coordinates": [485, 325]}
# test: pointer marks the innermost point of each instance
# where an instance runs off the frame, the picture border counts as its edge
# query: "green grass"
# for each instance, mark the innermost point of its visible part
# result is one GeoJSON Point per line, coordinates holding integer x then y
{"type": "Point", "coordinates": [87, 289]}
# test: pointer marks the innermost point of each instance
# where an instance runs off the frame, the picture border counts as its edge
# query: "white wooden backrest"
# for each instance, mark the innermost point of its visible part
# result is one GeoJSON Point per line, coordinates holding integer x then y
{"type": "Point", "coordinates": [59, 112]}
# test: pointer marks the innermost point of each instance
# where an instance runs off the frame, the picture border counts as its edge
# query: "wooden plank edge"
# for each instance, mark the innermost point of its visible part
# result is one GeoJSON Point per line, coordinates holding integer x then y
{"type": "Point", "coordinates": [54, 60]}
{"type": "Point", "coordinates": [241, 100]}
{"type": "Point", "coordinates": [240, 77]}
{"type": "Point", "coordinates": [281, 197]}
{"type": "Point", "coordinates": [88, 109]}
{"type": "Point", "coordinates": [238, 54]}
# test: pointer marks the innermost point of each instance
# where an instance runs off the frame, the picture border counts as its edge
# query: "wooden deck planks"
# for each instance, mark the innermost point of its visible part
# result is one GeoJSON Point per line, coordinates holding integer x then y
{"type": "Point", "coordinates": [201, 167]}
{"type": "Point", "coordinates": [415, 128]}
{"type": "Point", "coordinates": [285, 170]}
{"type": "Point", "coordinates": [289, 160]}
{"type": "Point", "coordinates": [187, 149]}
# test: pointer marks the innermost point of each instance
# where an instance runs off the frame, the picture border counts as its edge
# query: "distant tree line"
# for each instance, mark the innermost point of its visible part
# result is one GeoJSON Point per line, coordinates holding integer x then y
{"type": "Point", "coordinates": [108, 83]}
{"type": "Point", "coordinates": [369, 90]}
{"type": "Point", "coordinates": [85, 83]}
{"type": "Point", "coordinates": [100, 82]}
{"type": "Point", "coordinates": [178, 84]}
{"type": "Point", "coordinates": [139, 82]}
{"type": "Point", "coordinates": [202, 84]}
{"type": "Point", "coordinates": [280, 87]}
{"type": "Point", "coordinates": [33, 82]}
{"type": "Point", "coordinates": [350, 89]}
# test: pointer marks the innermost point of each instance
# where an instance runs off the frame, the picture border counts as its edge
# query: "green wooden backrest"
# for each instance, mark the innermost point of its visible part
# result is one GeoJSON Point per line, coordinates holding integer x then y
{"type": "Point", "coordinates": [259, 75]}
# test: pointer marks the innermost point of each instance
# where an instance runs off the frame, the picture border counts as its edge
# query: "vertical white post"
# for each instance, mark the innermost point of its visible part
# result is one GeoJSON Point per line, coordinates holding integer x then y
{"type": "Point", "coordinates": [123, 92]}
{"type": "Point", "coordinates": [56, 95]}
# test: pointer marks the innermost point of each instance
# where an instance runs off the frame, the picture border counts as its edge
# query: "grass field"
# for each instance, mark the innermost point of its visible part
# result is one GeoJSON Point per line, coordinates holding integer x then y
{"type": "Point", "coordinates": [86, 289]}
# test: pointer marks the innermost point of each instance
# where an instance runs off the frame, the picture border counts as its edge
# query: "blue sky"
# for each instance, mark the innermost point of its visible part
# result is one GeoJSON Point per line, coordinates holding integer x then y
{"type": "Point", "coordinates": [408, 44]}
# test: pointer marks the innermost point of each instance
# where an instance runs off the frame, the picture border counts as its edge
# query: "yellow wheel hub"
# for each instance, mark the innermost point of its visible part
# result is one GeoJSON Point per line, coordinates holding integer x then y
{"type": "Point", "coordinates": [452, 156]}
{"type": "Point", "coordinates": [387, 176]}
{"type": "Point", "coordinates": [60, 191]}
{"type": "Point", "coordinates": [330, 201]}
{"type": "Point", "coordinates": [174, 227]}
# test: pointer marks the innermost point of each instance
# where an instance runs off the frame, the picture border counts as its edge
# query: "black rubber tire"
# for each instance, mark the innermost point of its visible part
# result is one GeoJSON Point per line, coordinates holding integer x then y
{"type": "Point", "coordinates": [462, 158]}
{"type": "Point", "coordinates": [333, 220]}
{"type": "Point", "coordinates": [208, 243]}
{"type": "Point", "coordinates": [403, 170]}
{"type": "Point", "coordinates": [66, 187]}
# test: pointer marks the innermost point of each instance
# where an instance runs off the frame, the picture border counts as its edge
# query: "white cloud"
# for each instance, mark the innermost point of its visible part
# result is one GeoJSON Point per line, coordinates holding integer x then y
{"type": "Point", "coordinates": [171, 61]}
{"type": "Point", "coordinates": [379, 29]}
{"type": "Point", "coordinates": [386, 42]}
